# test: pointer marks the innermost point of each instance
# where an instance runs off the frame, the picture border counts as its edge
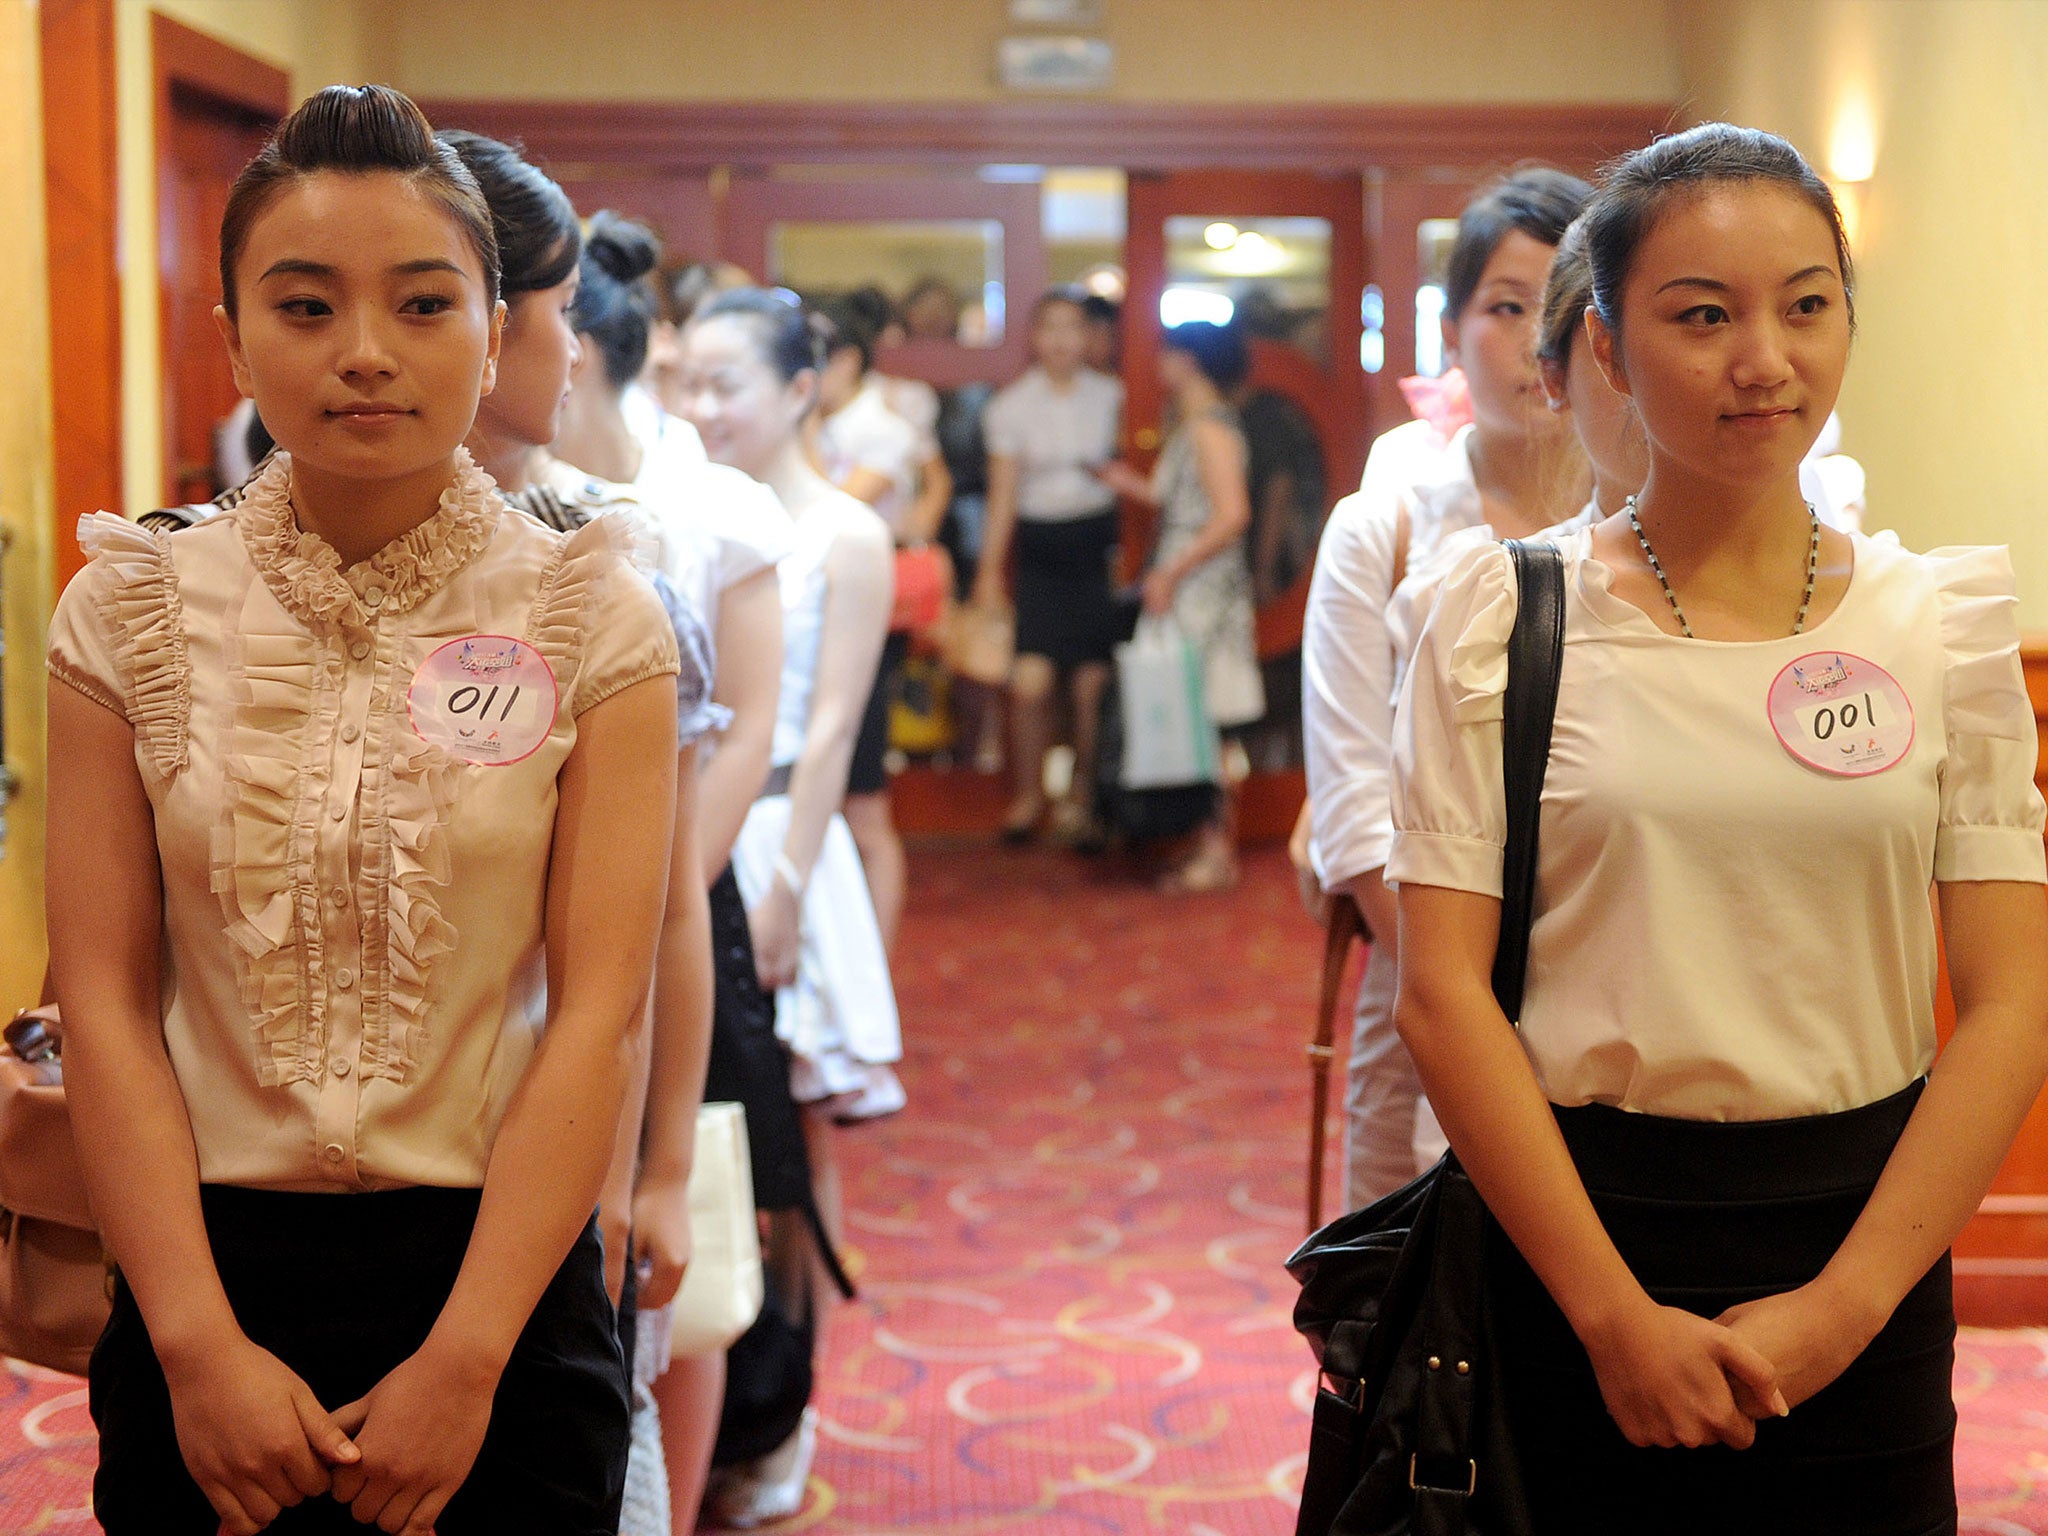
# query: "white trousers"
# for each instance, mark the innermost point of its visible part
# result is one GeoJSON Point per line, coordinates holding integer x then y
{"type": "Point", "coordinates": [1390, 1132]}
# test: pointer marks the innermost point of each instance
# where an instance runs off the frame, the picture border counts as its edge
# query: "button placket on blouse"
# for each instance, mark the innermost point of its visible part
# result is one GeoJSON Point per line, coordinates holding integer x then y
{"type": "Point", "coordinates": [353, 669]}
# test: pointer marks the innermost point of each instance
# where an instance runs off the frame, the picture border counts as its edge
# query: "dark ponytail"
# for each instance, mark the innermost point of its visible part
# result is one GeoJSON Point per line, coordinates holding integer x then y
{"type": "Point", "coordinates": [538, 237]}
{"type": "Point", "coordinates": [615, 304]}
{"type": "Point", "coordinates": [355, 129]}
{"type": "Point", "coordinates": [1538, 201]}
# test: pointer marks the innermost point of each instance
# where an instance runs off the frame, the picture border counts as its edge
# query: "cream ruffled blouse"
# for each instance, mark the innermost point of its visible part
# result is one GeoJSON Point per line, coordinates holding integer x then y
{"type": "Point", "coordinates": [354, 975]}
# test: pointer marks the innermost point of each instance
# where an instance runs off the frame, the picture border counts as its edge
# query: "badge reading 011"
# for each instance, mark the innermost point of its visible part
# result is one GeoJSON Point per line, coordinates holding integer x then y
{"type": "Point", "coordinates": [1841, 714]}
{"type": "Point", "coordinates": [486, 699]}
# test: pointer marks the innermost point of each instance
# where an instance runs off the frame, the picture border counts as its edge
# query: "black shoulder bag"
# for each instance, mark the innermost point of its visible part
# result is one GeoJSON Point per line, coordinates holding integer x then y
{"type": "Point", "coordinates": [1410, 1435]}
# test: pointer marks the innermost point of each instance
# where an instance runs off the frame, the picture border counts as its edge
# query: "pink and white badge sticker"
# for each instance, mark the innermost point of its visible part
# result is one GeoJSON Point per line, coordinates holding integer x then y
{"type": "Point", "coordinates": [486, 699]}
{"type": "Point", "coordinates": [1842, 714]}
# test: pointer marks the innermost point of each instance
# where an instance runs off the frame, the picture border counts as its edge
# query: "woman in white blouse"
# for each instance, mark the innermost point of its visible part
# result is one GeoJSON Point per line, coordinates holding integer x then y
{"type": "Point", "coordinates": [360, 816]}
{"type": "Point", "coordinates": [749, 372]}
{"type": "Point", "coordinates": [1047, 434]}
{"type": "Point", "coordinates": [1517, 468]}
{"type": "Point", "coordinates": [1729, 1181]}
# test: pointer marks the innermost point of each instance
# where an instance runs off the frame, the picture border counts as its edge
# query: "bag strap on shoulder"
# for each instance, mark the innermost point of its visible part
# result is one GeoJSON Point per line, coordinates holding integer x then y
{"type": "Point", "coordinates": [1535, 661]}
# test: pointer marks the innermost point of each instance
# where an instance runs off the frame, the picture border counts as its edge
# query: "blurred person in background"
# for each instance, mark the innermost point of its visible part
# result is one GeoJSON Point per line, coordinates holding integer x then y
{"type": "Point", "coordinates": [1048, 434]}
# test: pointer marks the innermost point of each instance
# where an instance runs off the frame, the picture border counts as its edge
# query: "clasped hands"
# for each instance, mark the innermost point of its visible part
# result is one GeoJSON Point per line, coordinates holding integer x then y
{"type": "Point", "coordinates": [1671, 1378]}
{"type": "Point", "coordinates": [257, 1440]}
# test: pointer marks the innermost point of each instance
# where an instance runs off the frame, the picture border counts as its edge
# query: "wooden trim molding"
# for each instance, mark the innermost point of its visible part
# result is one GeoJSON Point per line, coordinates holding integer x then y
{"type": "Point", "coordinates": [189, 58]}
{"type": "Point", "coordinates": [184, 60]}
{"type": "Point", "coordinates": [81, 198]}
{"type": "Point", "coordinates": [1136, 136]}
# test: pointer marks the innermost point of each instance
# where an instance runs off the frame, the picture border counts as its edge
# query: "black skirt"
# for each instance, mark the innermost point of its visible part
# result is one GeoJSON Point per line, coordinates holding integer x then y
{"type": "Point", "coordinates": [1066, 608]}
{"type": "Point", "coordinates": [749, 1066]}
{"type": "Point", "coordinates": [342, 1288]}
{"type": "Point", "coordinates": [1707, 1215]}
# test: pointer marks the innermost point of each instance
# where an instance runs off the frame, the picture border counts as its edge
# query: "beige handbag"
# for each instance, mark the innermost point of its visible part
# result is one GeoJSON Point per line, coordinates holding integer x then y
{"type": "Point", "coordinates": [979, 643]}
{"type": "Point", "coordinates": [721, 1291]}
{"type": "Point", "coordinates": [55, 1279]}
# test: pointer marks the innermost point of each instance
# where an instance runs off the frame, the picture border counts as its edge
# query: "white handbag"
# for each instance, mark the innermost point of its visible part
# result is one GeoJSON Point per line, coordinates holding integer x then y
{"type": "Point", "coordinates": [721, 1290]}
{"type": "Point", "coordinates": [1169, 738]}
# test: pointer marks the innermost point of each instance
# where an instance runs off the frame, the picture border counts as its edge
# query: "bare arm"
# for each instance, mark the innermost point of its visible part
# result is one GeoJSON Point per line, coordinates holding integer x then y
{"type": "Point", "coordinates": [681, 1051]}
{"type": "Point", "coordinates": [615, 1196]}
{"type": "Point", "coordinates": [1982, 1087]}
{"type": "Point", "coordinates": [250, 1430]}
{"type": "Point", "coordinates": [748, 683]}
{"type": "Point", "coordinates": [1664, 1373]}
{"type": "Point", "coordinates": [934, 495]}
{"type": "Point", "coordinates": [864, 484]}
{"type": "Point", "coordinates": [858, 581]}
{"type": "Point", "coordinates": [999, 527]}
{"type": "Point", "coordinates": [421, 1426]}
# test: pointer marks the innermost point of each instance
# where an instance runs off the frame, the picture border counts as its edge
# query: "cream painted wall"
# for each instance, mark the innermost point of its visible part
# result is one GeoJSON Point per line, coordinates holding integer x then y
{"type": "Point", "coordinates": [27, 498]}
{"type": "Point", "coordinates": [944, 50]}
{"type": "Point", "coordinates": [1948, 388]}
{"type": "Point", "coordinates": [317, 42]}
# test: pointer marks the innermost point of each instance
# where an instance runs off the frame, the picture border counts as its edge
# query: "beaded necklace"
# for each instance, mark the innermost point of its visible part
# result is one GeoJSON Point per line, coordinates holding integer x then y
{"type": "Point", "coordinates": [1684, 628]}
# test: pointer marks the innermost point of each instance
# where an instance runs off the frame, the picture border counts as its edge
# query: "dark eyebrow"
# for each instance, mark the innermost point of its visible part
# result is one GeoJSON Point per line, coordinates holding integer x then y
{"type": "Point", "coordinates": [1712, 286]}
{"type": "Point", "coordinates": [295, 266]}
{"type": "Point", "coordinates": [428, 264]}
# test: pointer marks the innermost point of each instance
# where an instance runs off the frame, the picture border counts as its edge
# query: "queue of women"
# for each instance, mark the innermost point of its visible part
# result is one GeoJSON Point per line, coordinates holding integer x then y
{"type": "Point", "coordinates": [429, 825]}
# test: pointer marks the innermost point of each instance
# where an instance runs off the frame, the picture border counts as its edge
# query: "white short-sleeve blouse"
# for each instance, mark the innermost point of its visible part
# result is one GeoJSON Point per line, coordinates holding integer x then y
{"type": "Point", "coordinates": [1721, 931]}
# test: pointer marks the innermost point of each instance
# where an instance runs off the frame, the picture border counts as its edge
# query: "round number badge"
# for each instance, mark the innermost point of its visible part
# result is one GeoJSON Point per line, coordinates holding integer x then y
{"type": "Point", "coordinates": [1842, 714]}
{"type": "Point", "coordinates": [487, 699]}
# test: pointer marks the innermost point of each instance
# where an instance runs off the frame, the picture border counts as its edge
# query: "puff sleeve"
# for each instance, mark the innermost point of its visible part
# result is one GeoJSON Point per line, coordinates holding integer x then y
{"type": "Point", "coordinates": [118, 636]}
{"type": "Point", "coordinates": [1347, 690]}
{"type": "Point", "coordinates": [1449, 810]}
{"type": "Point", "coordinates": [601, 624]}
{"type": "Point", "coordinates": [1991, 813]}
{"type": "Point", "coordinates": [696, 716]}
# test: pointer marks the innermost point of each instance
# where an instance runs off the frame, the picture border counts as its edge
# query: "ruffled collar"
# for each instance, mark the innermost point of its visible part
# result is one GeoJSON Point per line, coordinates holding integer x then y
{"type": "Point", "coordinates": [306, 575]}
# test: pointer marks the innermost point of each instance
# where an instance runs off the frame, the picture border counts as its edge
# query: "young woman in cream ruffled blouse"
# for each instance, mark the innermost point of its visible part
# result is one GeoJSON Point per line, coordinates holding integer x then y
{"type": "Point", "coordinates": [358, 838]}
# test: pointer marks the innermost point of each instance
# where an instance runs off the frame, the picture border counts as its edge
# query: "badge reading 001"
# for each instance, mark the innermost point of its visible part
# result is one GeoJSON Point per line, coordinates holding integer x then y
{"type": "Point", "coordinates": [1841, 714]}
{"type": "Point", "coordinates": [486, 699]}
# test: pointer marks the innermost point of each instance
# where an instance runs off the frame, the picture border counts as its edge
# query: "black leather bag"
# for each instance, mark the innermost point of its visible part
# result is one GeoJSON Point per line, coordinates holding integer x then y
{"type": "Point", "coordinates": [1410, 1435]}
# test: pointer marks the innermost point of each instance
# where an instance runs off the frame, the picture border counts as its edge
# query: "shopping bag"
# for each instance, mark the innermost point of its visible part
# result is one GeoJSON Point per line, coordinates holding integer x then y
{"type": "Point", "coordinates": [1169, 739]}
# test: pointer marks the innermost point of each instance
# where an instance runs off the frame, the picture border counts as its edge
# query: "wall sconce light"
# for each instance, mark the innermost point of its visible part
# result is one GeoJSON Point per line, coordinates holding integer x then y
{"type": "Point", "coordinates": [1852, 159]}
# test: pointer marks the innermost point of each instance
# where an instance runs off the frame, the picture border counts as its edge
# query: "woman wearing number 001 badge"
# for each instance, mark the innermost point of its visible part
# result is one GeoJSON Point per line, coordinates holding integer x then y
{"type": "Point", "coordinates": [359, 822]}
{"type": "Point", "coordinates": [1728, 1173]}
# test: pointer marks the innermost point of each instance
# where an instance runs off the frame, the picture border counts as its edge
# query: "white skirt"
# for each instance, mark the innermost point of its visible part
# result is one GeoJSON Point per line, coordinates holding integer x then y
{"type": "Point", "coordinates": [838, 1017]}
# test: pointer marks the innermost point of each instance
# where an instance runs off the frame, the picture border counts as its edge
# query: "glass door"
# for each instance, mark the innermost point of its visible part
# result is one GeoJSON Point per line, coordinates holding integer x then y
{"type": "Point", "coordinates": [1281, 255]}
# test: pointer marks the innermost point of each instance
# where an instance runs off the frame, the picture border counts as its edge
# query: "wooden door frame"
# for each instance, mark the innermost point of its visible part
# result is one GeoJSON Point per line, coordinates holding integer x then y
{"type": "Point", "coordinates": [1132, 135]}
{"type": "Point", "coordinates": [81, 192]}
{"type": "Point", "coordinates": [182, 58]}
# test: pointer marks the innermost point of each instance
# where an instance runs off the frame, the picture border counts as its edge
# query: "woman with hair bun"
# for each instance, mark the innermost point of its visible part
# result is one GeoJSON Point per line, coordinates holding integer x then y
{"type": "Point", "coordinates": [359, 825]}
{"type": "Point", "coordinates": [713, 568]}
{"type": "Point", "coordinates": [611, 426]}
{"type": "Point", "coordinates": [750, 370]}
{"type": "Point", "coordinates": [1726, 1155]}
{"type": "Point", "coordinates": [1515, 469]}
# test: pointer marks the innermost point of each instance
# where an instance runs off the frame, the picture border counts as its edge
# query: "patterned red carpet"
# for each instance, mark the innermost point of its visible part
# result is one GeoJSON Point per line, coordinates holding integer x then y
{"type": "Point", "coordinates": [1073, 1320]}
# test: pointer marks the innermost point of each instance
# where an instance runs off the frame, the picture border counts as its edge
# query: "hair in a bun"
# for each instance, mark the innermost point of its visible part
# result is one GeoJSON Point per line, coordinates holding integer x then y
{"type": "Point", "coordinates": [615, 304]}
{"type": "Point", "coordinates": [624, 248]}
